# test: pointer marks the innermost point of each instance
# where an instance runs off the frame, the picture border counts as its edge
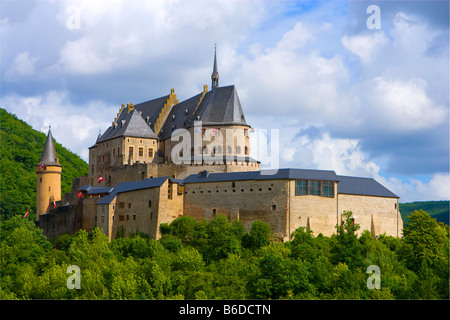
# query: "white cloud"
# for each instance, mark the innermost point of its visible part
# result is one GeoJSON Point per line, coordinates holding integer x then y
{"type": "Point", "coordinates": [75, 127]}
{"type": "Point", "coordinates": [23, 66]}
{"type": "Point", "coordinates": [390, 105]}
{"type": "Point", "coordinates": [291, 80]}
{"type": "Point", "coordinates": [365, 45]}
{"type": "Point", "coordinates": [414, 189]}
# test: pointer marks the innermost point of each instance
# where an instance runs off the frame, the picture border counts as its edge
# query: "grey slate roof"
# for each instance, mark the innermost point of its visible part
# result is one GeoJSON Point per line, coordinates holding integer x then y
{"type": "Point", "coordinates": [49, 157]}
{"type": "Point", "coordinates": [263, 175]}
{"type": "Point", "coordinates": [95, 190]}
{"type": "Point", "coordinates": [220, 106]}
{"type": "Point", "coordinates": [131, 186]}
{"type": "Point", "coordinates": [138, 123]}
{"type": "Point", "coordinates": [363, 186]}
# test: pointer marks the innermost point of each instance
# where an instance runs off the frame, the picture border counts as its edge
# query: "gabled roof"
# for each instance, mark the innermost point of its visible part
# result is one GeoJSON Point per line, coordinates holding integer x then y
{"type": "Point", "coordinates": [132, 186]}
{"type": "Point", "coordinates": [263, 175]}
{"type": "Point", "coordinates": [137, 123]}
{"type": "Point", "coordinates": [363, 186]}
{"type": "Point", "coordinates": [49, 157]}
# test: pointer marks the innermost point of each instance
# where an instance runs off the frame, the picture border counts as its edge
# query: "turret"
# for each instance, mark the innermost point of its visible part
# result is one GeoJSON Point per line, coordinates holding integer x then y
{"type": "Point", "coordinates": [48, 183]}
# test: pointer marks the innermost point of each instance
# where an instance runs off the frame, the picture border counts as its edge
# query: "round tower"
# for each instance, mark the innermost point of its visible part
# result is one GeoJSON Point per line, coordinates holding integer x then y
{"type": "Point", "coordinates": [48, 183]}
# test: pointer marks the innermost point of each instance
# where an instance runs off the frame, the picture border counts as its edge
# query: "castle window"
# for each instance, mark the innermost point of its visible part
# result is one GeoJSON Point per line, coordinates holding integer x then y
{"type": "Point", "coordinates": [328, 189]}
{"type": "Point", "coordinates": [246, 132]}
{"type": "Point", "coordinates": [246, 150]}
{"type": "Point", "coordinates": [134, 217]}
{"type": "Point", "coordinates": [149, 203]}
{"type": "Point", "coordinates": [129, 205]}
{"type": "Point", "coordinates": [233, 184]}
{"type": "Point", "coordinates": [121, 205]}
{"type": "Point", "coordinates": [102, 219]}
{"type": "Point", "coordinates": [301, 187]}
{"type": "Point", "coordinates": [114, 152]}
{"type": "Point", "coordinates": [314, 187]}
{"type": "Point", "coordinates": [229, 150]}
{"type": "Point", "coordinates": [141, 152]}
{"type": "Point", "coordinates": [121, 217]}
{"type": "Point", "coordinates": [130, 151]}
{"type": "Point", "coordinates": [128, 217]}
{"type": "Point", "coordinates": [150, 152]}
{"type": "Point", "coordinates": [274, 207]}
{"type": "Point", "coordinates": [169, 191]}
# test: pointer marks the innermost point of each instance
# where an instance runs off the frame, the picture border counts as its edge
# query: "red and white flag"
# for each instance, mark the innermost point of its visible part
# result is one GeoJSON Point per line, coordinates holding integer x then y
{"type": "Point", "coordinates": [26, 214]}
{"type": "Point", "coordinates": [54, 204]}
{"type": "Point", "coordinates": [42, 166]}
{"type": "Point", "coordinates": [100, 179]}
{"type": "Point", "coordinates": [80, 194]}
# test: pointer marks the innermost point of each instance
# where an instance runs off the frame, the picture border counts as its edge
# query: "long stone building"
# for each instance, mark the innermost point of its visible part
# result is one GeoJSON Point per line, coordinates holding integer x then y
{"type": "Point", "coordinates": [162, 159]}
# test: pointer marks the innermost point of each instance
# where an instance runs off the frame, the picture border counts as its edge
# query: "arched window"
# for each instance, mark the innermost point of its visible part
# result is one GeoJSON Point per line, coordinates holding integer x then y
{"type": "Point", "coordinates": [229, 150]}
{"type": "Point", "coordinates": [246, 150]}
{"type": "Point", "coordinates": [238, 150]}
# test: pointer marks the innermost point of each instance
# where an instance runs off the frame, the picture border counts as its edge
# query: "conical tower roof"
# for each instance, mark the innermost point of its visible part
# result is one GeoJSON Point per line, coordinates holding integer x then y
{"type": "Point", "coordinates": [49, 157]}
{"type": "Point", "coordinates": [215, 73]}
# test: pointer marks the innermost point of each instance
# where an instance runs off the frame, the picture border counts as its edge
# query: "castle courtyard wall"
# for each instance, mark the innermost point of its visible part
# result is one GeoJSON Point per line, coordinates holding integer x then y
{"type": "Point", "coordinates": [318, 213]}
{"type": "Point", "coordinates": [246, 201]}
{"type": "Point", "coordinates": [376, 214]}
{"type": "Point", "coordinates": [140, 211]}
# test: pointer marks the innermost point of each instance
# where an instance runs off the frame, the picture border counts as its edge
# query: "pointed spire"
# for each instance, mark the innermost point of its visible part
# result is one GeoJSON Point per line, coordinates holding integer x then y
{"type": "Point", "coordinates": [49, 157]}
{"type": "Point", "coordinates": [215, 73]}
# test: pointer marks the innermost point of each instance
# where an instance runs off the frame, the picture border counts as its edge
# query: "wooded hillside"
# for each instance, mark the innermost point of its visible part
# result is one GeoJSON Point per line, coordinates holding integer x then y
{"type": "Point", "coordinates": [21, 149]}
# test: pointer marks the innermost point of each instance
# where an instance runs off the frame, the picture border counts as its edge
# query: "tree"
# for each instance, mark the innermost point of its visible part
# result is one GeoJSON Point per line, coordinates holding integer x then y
{"type": "Point", "coordinates": [347, 248]}
{"type": "Point", "coordinates": [258, 237]}
{"type": "Point", "coordinates": [425, 250]}
{"type": "Point", "coordinates": [424, 241]}
{"type": "Point", "coordinates": [220, 238]}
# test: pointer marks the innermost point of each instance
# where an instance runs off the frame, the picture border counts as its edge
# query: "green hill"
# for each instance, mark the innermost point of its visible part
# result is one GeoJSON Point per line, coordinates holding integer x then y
{"type": "Point", "coordinates": [438, 210]}
{"type": "Point", "coordinates": [20, 150]}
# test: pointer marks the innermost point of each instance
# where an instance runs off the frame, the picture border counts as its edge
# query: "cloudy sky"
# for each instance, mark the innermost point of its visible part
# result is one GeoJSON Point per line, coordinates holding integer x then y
{"type": "Point", "coordinates": [346, 91]}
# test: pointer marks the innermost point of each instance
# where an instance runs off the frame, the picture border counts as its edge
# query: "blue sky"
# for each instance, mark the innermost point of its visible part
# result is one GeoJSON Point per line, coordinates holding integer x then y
{"type": "Point", "coordinates": [360, 101]}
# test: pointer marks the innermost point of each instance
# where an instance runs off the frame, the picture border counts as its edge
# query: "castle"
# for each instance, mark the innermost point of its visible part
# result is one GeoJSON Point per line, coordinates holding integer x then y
{"type": "Point", "coordinates": [162, 159]}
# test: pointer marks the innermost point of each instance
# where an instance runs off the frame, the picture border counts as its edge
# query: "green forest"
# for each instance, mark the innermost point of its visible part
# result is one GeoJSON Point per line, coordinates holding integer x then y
{"type": "Point", "coordinates": [20, 150]}
{"type": "Point", "coordinates": [436, 209]}
{"type": "Point", "coordinates": [213, 259]}
{"type": "Point", "coordinates": [219, 260]}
